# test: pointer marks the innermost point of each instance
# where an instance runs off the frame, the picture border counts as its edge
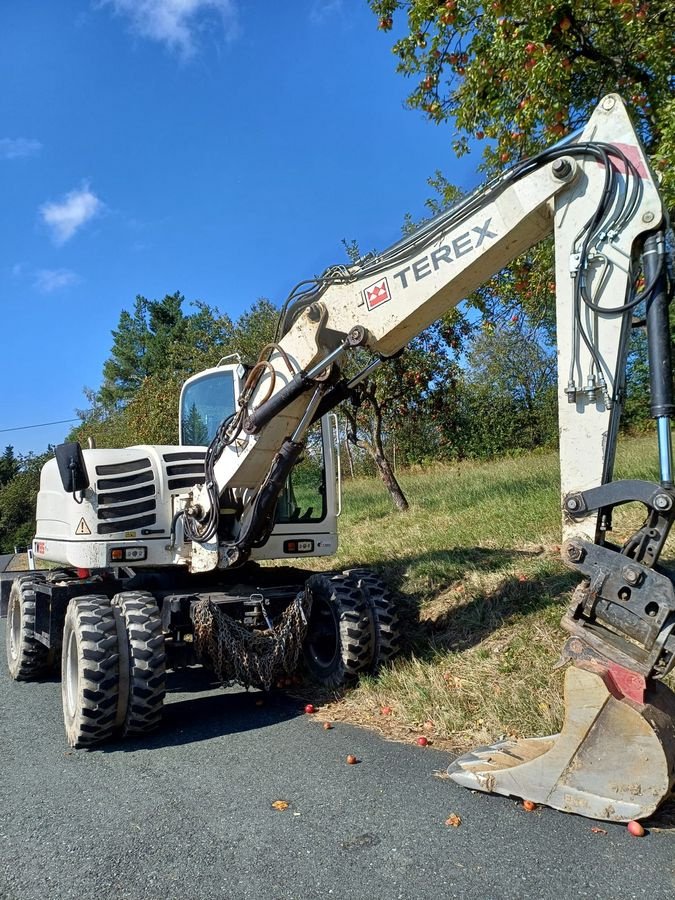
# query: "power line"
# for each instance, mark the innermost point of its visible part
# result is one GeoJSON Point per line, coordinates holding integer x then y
{"type": "Point", "coordinates": [41, 425]}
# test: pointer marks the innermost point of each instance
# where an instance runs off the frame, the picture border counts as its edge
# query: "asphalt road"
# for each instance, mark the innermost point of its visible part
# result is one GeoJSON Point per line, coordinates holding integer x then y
{"type": "Point", "coordinates": [186, 813]}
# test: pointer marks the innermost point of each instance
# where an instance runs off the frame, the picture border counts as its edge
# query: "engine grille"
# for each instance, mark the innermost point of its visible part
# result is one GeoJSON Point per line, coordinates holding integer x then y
{"type": "Point", "coordinates": [127, 493]}
{"type": "Point", "coordinates": [184, 468]}
{"type": "Point", "coordinates": [126, 496]}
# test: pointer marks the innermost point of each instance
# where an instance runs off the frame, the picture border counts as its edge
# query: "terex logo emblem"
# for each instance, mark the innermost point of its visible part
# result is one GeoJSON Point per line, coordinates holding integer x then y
{"type": "Point", "coordinates": [461, 245]}
{"type": "Point", "coordinates": [377, 293]}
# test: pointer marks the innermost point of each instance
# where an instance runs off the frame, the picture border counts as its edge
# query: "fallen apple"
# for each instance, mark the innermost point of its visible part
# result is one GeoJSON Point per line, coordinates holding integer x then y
{"type": "Point", "coordinates": [309, 709]}
{"type": "Point", "coordinates": [529, 805]}
{"type": "Point", "coordinates": [327, 726]}
{"type": "Point", "coordinates": [351, 760]}
{"type": "Point", "coordinates": [422, 741]}
{"type": "Point", "coordinates": [385, 711]}
{"type": "Point", "coordinates": [635, 829]}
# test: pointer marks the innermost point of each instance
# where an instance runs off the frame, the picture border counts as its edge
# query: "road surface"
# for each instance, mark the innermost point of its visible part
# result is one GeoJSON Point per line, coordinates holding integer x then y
{"type": "Point", "coordinates": [186, 813]}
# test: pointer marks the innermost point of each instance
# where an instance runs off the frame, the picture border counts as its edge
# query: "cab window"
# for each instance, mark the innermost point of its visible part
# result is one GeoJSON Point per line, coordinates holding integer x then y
{"type": "Point", "coordinates": [303, 498]}
{"type": "Point", "coordinates": [205, 403]}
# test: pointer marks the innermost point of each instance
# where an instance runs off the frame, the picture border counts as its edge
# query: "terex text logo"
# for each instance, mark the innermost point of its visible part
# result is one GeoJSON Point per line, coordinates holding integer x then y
{"type": "Point", "coordinates": [461, 245]}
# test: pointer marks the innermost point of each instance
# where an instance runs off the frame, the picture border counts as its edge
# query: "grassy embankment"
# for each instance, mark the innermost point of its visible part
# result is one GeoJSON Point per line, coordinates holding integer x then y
{"type": "Point", "coordinates": [476, 561]}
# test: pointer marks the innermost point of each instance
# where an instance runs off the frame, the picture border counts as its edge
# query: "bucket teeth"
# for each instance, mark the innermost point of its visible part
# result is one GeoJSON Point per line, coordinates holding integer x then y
{"type": "Point", "coordinates": [614, 758]}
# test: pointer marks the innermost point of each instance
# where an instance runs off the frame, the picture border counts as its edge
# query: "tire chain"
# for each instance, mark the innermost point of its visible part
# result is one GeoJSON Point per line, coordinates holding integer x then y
{"type": "Point", "coordinates": [250, 657]}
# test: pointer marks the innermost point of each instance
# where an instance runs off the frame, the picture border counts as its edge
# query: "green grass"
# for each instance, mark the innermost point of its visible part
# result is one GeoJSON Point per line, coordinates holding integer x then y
{"type": "Point", "coordinates": [476, 563]}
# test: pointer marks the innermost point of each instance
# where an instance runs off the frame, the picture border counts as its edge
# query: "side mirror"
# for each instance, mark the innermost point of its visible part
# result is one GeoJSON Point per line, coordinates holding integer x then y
{"type": "Point", "coordinates": [72, 468]}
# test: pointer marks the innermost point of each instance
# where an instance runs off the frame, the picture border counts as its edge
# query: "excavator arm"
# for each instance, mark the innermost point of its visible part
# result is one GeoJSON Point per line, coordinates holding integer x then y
{"type": "Point", "coordinates": [615, 756]}
{"type": "Point", "coordinates": [598, 197]}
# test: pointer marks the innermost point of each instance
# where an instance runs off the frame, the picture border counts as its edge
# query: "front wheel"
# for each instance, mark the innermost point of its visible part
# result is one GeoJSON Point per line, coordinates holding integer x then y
{"type": "Point", "coordinates": [146, 661]}
{"type": "Point", "coordinates": [89, 671]}
{"type": "Point", "coordinates": [340, 633]}
{"type": "Point", "coordinates": [27, 658]}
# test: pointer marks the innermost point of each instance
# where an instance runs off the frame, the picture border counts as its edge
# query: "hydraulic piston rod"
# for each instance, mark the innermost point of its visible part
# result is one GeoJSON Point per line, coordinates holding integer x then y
{"type": "Point", "coordinates": [659, 348]}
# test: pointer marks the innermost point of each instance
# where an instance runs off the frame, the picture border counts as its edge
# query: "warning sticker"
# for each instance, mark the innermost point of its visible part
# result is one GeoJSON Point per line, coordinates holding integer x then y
{"type": "Point", "coordinates": [377, 294]}
{"type": "Point", "coordinates": [82, 527]}
{"type": "Point", "coordinates": [633, 156]}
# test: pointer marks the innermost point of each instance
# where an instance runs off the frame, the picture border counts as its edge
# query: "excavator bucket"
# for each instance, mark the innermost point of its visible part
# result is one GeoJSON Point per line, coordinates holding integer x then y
{"type": "Point", "coordinates": [613, 760]}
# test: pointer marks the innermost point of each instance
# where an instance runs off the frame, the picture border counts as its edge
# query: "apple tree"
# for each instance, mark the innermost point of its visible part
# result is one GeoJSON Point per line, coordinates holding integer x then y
{"type": "Point", "coordinates": [520, 74]}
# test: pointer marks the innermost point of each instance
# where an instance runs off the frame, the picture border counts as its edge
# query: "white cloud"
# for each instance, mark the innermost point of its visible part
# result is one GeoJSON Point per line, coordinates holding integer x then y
{"type": "Point", "coordinates": [49, 280]}
{"type": "Point", "coordinates": [16, 148]}
{"type": "Point", "coordinates": [176, 22]}
{"type": "Point", "coordinates": [64, 217]}
{"type": "Point", "coordinates": [322, 10]}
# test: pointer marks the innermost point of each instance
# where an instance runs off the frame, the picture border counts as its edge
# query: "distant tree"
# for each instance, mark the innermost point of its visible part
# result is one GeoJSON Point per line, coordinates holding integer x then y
{"type": "Point", "coordinates": [254, 329]}
{"type": "Point", "coordinates": [18, 498]}
{"type": "Point", "coordinates": [207, 337]}
{"type": "Point", "coordinates": [9, 465]}
{"type": "Point", "coordinates": [636, 415]}
{"type": "Point", "coordinates": [410, 404]}
{"type": "Point", "coordinates": [128, 363]}
{"type": "Point", "coordinates": [508, 399]}
{"type": "Point", "coordinates": [138, 400]}
{"type": "Point", "coordinates": [143, 344]}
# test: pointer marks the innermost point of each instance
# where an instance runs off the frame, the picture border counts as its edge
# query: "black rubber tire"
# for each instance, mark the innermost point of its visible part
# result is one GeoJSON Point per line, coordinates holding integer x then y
{"type": "Point", "coordinates": [89, 671]}
{"type": "Point", "coordinates": [27, 658]}
{"type": "Point", "coordinates": [146, 657]}
{"type": "Point", "coordinates": [340, 633]}
{"type": "Point", "coordinates": [382, 603]}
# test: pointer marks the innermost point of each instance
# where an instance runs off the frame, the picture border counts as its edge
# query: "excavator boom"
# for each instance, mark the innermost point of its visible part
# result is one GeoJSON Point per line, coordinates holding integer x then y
{"type": "Point", "coordinates": [595, 194]}
{"type": "Point", "coordinates": [615, 756]}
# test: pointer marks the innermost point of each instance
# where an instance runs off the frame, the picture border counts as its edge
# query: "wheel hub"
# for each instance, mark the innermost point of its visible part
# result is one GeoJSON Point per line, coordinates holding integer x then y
{"type": "Point", "coordinates": [14, 629]}
{"type": "Point", "coordinates": [72, 675]}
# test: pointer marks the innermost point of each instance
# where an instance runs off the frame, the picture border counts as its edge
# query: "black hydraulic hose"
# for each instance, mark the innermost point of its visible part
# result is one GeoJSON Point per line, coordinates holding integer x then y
{"type": "Point", "coordinates": [275, 404]}
{"type": "Point", "coordinates": [265, 502]}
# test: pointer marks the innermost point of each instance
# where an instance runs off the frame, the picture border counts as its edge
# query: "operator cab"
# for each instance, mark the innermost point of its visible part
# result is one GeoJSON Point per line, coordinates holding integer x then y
{"type": "Point", "coordinates": [310, 498]}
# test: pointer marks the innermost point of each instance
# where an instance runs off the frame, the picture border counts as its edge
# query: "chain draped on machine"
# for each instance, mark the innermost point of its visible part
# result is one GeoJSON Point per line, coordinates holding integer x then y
{"type": "Point", "coordinates": [253, 658]}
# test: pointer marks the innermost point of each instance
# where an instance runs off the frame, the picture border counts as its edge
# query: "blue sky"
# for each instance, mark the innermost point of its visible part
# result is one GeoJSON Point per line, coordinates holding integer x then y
{"type": "Point", "coordinates": [222, 148]}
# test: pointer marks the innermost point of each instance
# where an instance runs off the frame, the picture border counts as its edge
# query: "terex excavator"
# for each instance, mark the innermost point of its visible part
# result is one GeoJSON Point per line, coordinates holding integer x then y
{"type": "Point", "coordinates": [162, 542]}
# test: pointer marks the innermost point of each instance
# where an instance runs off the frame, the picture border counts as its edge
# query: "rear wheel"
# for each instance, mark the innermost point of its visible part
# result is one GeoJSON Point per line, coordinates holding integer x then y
{"type": "Point", "coordinates": [145, 658]}
{"type": "Point", "coordinates": [339, 641]}
{"type": "Point", "coordinates": [27, 658]}
{"type": "Point", "coordinates": [382, 603]}
{"type": "Point", "coordinates": [89, 671]}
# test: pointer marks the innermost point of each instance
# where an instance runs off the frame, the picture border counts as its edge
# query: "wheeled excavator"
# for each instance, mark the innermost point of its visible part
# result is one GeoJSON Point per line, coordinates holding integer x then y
{"type": "Point", "coordinates": [161, 546]}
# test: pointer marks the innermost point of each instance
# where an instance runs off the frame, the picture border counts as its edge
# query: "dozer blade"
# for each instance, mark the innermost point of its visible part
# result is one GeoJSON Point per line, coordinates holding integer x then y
{"type": "Point", "coordinates": [614, 758]}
